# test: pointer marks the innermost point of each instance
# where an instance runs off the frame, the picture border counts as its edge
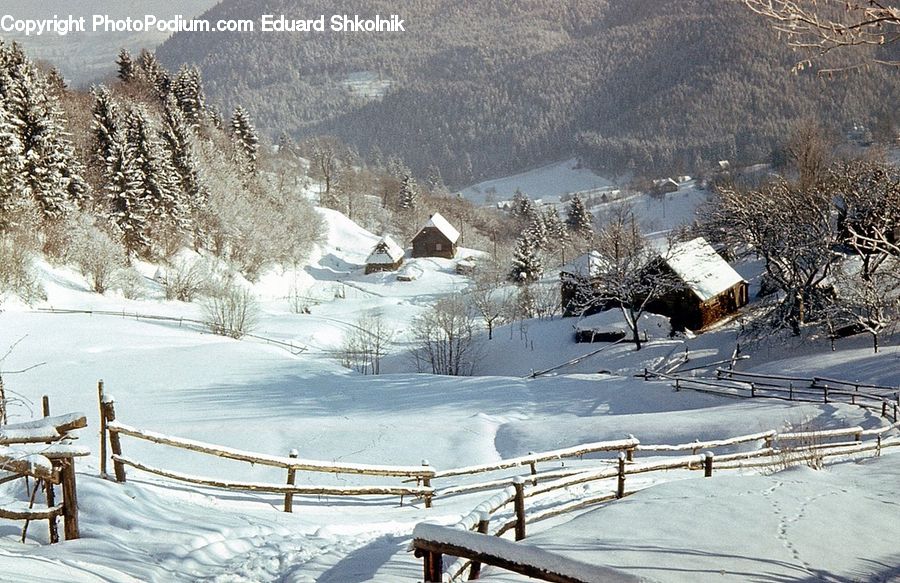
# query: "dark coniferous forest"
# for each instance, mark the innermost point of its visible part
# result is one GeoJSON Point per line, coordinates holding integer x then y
{"type": "Point", "coordinates": [479, 88]}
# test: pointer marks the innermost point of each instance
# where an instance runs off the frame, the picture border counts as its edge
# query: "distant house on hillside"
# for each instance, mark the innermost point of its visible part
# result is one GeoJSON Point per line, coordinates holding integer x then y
{"type": "Point", "coordinates": [436, 238]}
{"type": "Point", "coordinates": [387, 255]}
{"type": "Point", "coordinates": [664, 186]}
{"type": "Point", "coordinates": [711, 290]}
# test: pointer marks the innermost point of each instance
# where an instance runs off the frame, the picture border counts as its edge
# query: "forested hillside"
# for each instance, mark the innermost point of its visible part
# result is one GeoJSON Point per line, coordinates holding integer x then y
{"type": "Point", "coordinates": [480, 89]}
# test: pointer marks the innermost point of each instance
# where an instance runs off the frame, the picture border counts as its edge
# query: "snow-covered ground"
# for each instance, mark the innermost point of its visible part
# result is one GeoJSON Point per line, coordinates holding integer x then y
{"type": "Point", "coordinates": [546, 183]}
{"type": "Point", "coordinates": [175, 378]}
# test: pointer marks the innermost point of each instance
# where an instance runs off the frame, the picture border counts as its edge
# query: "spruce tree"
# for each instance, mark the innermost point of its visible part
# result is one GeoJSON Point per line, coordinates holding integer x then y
{"type": "Point", "coordinates": [188, 91]}
{"type": "Point", "coordinates": [156, 177]}
{"type": "Point", "coordinates": [408, 195]}
{"type": "Point", "coordinates": [12, 184]}
{"type": "Point", "coordinates": [579, 221]}
{"type": "Point", "coordinates": [126, 66]}
{"type": "Point", "coordinates": [526, 263]}
{"type": "Point", "coordinates": [154, 73]}
{"type": "Point", "coordinates": [245, 138]}
{"type": "Point", "coordinates": [128, 209]}
{"type": "Point", "coordinates": [105, 125]}
{"type": "Point", "coordinates": [179, 143]}
{"type": "Point", "coordinates": [556, 230]}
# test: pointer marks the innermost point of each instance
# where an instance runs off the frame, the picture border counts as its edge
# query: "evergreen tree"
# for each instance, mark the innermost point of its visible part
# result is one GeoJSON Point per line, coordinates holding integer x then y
{"type": "Point", "coordinates": [156, 177]}
{"type": "Point", "coordinates": [51, 169]}
{"type": "Point", "coordinates": [408, 193]}
{"type": "Point", "coordinates": [154, 73]}
{"type": "Point", "coordinates": [521, 206]}
{"type": "Point", "coordinates": [179, 143]}
{"type": "Point", "coordinates": [245, 138]}
{"type": "Point", "coordinates": [105, 124]}
{"type": "Point", "coordinates": [12, 185]}
{"type": "Point", "coordinates": [556, 230]}
{"type": "Point", "coordinates": [128, 209]}
{"type": "Point", "coordinates": [126, 66]}
{"type": "Point", "coordinates": [526, 263]}
{"type": "Point", "coordinates": [579, 221]}
{"type": "Point", "coordinates": [537, 229]}
{"type": "Point", "coordinates": [188, 90]}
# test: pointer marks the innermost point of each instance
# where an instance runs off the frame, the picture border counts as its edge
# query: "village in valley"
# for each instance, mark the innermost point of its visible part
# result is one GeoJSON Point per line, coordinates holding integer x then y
{"type": "Point", "coordinates": [237, 347]}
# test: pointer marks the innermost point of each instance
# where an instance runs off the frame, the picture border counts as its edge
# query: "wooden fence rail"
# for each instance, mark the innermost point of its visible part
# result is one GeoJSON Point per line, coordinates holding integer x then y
{"type": "Point", "coordinates": [42, 450]}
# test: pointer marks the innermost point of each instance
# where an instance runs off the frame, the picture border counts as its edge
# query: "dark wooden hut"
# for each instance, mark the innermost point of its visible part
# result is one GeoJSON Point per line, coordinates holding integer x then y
{"type": "Point", "coordinates": [436, 238]}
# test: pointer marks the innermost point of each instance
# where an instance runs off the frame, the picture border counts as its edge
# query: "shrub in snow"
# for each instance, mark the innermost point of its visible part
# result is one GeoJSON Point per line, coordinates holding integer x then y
{"type": "Point", "coordinates": [130, 283]}
{"type": "Point", "coordinates": [445, 339]}
{"type": "Point", "coordinates": [185, 281]}
{"type": "Point", "coordinates": [97, 256]}
{"type": "Point", "coordinates": [230, 309]}
{"type": "Point", "coordinates": [365, 344]}
{"type": "Point", "coordinates": [17, 275]}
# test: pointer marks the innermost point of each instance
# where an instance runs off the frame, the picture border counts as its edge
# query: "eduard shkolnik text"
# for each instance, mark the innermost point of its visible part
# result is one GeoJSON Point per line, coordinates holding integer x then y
{"type": "Point", "coordinates": [63, 25]}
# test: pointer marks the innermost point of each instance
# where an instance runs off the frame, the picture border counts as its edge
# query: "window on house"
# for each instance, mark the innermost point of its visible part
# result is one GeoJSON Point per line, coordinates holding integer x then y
{"type": "Point", "coordinates": [438, 247]}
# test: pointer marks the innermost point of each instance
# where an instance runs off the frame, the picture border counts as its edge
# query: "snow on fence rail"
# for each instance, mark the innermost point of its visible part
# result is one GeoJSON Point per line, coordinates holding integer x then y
{"type": "Point", "coordinates": [42, 450]}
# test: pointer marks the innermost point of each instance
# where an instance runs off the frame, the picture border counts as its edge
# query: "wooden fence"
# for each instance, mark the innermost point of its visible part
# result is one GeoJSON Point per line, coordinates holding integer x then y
{"type": "Point", "coordinates": [112, 432]}
{"type": "Point", "coordinates": [41, 450]}
{"type": "Point", "coordinates": [776, 450]}
{"type": "Point", "coordinates": [881, 399]}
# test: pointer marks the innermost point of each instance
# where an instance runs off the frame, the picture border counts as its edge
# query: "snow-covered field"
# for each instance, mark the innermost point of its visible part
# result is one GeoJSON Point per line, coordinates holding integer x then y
{"type": "Point", "coordinates": [546, 183]}
{"type": "Point", "coordinates": [803, 525]}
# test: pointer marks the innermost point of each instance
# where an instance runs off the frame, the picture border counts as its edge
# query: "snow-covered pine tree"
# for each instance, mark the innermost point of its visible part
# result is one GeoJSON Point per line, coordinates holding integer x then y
{"type": "Point", "coordinates": [521, 206]}
{"type": "Point", "coordinates": [128, 210]}
{"type": "Point", "coordinates": [526, 263]}
{"type": "Point", "coordinates": [12, 185]}
{"type": "Point", "coordinates": [245, 138]}
{"type": "Point", "coordinates": [408, 194]}
{"type": "Point", "coordinates": [105, 125]}
{"type": "Point", "coordinates": [188, 90]}
{"type": "Point", "coordinates": [178, 141]}
{"type": "Point", "coordinates": [154, 73]}
{"type": "Point", "coordinates": [126, 66]}
{"type": "Point", "coordinates": [556, 230]}
{"type": "Point", "coordinates": [51, 169]}
{"type": "Point", "coordinates": [156, 177]}
{"type": "Point", "coordinates": [537, 228]}
{"type": "Point", "coordinates": [579, 221]}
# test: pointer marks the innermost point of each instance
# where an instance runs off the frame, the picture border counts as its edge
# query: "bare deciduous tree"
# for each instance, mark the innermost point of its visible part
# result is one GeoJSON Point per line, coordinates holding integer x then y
{"type": "Point", "coordinates": [630, 274]}
{"type": "Point", "coordinates": [445, 338]}
{"type": "Point", "coordinates": [821, 26]}
{"type": "Point", "coordinates": [366, 344]}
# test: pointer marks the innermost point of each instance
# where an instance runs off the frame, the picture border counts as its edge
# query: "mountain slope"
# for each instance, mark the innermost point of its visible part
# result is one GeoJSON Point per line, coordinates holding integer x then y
{"type": "Point", "coordinates": [477, 90]}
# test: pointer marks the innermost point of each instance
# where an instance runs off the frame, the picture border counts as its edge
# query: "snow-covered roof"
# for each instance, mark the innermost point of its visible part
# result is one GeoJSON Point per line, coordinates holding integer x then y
{"type": "Point", "coordinates": [386, 251]}
{"type": "Point", "coordinates": [440, 223]}
{"type": "Point", "coordinates": [702, 269]}
{"type": "Point", "coordinates": [586, 266]}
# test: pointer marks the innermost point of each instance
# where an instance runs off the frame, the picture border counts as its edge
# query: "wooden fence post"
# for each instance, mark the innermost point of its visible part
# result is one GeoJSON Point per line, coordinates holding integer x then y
{"type": "Point", "coordinates": [45, 405]}
{"type": "Point", "coordinates": [752, 390]}
{"type": "Point", "coordinates": [484, 520]}
{"type": "Point", "coordinates": [791, 391]}
{"type": "Point", "coordinates": [620, 486]}
{"type": "Point", "coordinates": [426, 481]}
{"type": "Point", "coordinates": [884, 408]}
{"type": "Point", "coordinates": [291, 476]}
{"type": "Point", "coordinates": [51, 502]}
{"type": "Point", "coordinates": [115, 444]}
{"type": "Point", "coordinates": [825, 393]}
{"type": "Point", "coordinates": [533, 470]}
{"type": "Point", "coordinates": [708, 465]}
{"type": "Point", "coordinates": [878, 447]}
{"type": "Point", "coordinates": [519, 485]}
{"type": "Point", "coordinates": [70, 499]}
{"type": "Point", "coordinates": [434, 567]}
{"type": "Point", "coordinates": [103, 431]}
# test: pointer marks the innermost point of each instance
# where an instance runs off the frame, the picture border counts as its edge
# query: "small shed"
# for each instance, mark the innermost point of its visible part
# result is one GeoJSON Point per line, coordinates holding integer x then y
{"type": "Point", "coordinates": [712, 289]}
{"type": "Point", "coordinates": [576, 283]}
{"type": "Point", "coordinates": [436, 238]}
{"type": "Point", "coordinates": [387, 255]}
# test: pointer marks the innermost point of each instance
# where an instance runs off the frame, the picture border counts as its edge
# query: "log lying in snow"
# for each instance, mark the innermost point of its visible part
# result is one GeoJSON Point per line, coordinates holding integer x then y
{"type": "Point", "coordinates": [279, 488]}
{"type": "Point", "coordinates": [42, 430]}
{"type": "Point", "coordinates": [517, 557]}
{"type": "Point", "coordinates": [271, 460]}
